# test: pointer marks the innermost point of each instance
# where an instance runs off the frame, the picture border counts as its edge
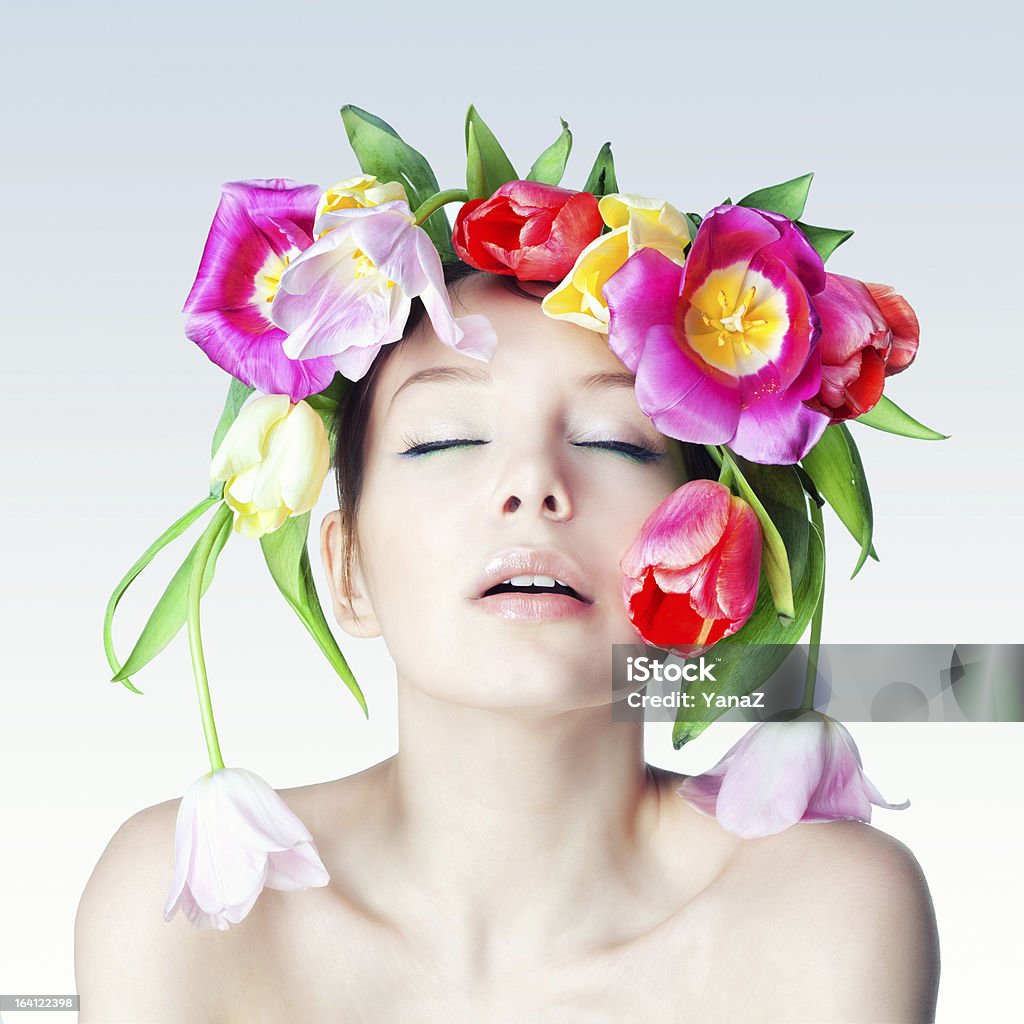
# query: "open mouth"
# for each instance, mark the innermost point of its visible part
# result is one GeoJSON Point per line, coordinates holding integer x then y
{"type": "Point", "coordinates": [535, 585]}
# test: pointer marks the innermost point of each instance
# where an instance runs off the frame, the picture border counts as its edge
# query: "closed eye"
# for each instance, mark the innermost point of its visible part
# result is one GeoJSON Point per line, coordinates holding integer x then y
{"type": "Point", "coordinates": [637, 453]}
{"type": "Point", "coordinates": [633, 451]}
{"type": "Point", "coordinates": [425, 447]}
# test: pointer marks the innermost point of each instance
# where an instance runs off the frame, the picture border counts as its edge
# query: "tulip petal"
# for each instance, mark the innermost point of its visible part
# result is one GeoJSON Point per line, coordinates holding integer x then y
{"type": "Point", "coordinates": [234, 836]}
{"type": "Point", "coordinates": [575, 225]}
{"type": "Point", "coordinates": [670, 620]}
{"type": "Point", "coordinates": [682, 529]}
{"type": "Point", "coordinates": [292, 471]}
{"type": "Point", "coordinates": [702, 790]}
{"type": "Point", "coordinates": [471, 335]}
{"type": "Point", "coordinates": [354, 362]}
{"type": "Point", "coordinates": [845, 791]}
{"type": "Point", "coordinates": [234, 341]}
{"type": "Point", "coordinates": [642, 293]}
{"type": "Point", "coordinates": [295, 869]}
{"type": "Point", "coordinates": [684, 397]}
{"type": "Point", "coordinates": [778, 429]}
{"type": "Point", "coordinates": [735, 233]}
{"type": "Point", "coordinates": [739, 569]}
{"type": "Point", "coordinates": [236, 249]}
{"type": "Point", "coordinates": [242, 445]}
{"type": "Point", "coordinates": [902, 321]}
{"type": "Point", "coordinates": [767, 788]}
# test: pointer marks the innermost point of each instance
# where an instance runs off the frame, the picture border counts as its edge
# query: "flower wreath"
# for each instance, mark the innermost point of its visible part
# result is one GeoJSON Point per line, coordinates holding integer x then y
{"type": "Point", "coordinates": [738, 339]}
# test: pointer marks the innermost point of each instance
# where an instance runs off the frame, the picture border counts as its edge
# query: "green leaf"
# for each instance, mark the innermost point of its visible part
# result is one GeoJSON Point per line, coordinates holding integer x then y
{"type": "Point", "coordinates": [888, 416]}
{"type": "Point", "coordinates": [287, 559]}
{"type": "Point", "coordinates": [751, 656]}
{"type": "Point", "coordinates": [382, 152]}
{"type": "Point", "coordinates": [174, 531]}
{"type": "Point", "coordinates": [601, 180]}
{"type": "Point", "coordinates": [787, 198]}
{"type": "Point", "coordinates": [487, 166]}
{"type": "Point", "coordinates": [549, 167]}
{"type": "Point", "coordinates": [693, 222]}
{"type": "Point", "coordinates": [237, 394]}
{"type": "Point", "coordinates": [825, 241]}
{"type": "Point", "coordinates": [775, 558]}
{"type": "Point", "coordinates": [327, 402]}
{"type": "Point", "coordinates": [835, 466]}
{"type": "Point", "coordinates": [169, 614]}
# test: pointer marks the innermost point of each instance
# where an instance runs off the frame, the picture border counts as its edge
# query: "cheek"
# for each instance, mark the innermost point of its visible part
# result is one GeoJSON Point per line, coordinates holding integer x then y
{"type": "Point", "coordinates": [623, 503]}
{"type": "Point", "coordinates": [411, 532]}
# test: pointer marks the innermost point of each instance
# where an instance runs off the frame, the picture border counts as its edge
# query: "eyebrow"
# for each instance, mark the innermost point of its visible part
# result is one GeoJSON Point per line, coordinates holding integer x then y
{"type": "Point", "coordinates": [463, 375]}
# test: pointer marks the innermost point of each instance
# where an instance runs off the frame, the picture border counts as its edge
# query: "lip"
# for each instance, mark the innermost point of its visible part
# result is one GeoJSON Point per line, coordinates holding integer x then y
{"type": "Point", "coordinates": [537, 562]}
{"type": "Point", "coordinates": [530, 607]}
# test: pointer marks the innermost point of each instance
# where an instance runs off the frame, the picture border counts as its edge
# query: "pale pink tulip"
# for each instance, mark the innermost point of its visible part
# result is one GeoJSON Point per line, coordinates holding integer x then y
{"type": "Point", "coordinates": [234, 835]}
{"type": "Point", "coordinates": [782, 772]}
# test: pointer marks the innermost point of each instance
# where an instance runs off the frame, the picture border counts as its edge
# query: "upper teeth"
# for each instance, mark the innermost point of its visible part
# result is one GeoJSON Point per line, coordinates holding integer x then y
{"type": "Point", "coordinates": [533, 581]}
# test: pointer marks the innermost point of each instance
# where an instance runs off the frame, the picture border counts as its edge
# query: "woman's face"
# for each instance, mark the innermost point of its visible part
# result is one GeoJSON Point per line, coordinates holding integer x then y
{"type": "Point", "coordinates": [434, 526]}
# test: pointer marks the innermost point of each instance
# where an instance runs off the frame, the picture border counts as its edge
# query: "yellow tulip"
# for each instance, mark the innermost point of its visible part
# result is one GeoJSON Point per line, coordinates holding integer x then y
{"type": "Point", "coordinates": [273, 459]}
{"type": "Point", "coordinates": [637, 222]}
{"type": "Point", "coordinates": [361, 191]}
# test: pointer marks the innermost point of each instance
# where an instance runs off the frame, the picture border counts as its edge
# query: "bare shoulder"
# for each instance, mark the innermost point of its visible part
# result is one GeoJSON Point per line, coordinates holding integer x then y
{"type": "Point", "coordinates": [848, 926]}
{"type": "Point", "coordinates": [130, 964]}
{"type": "Point", "coordinates": [829, 921]}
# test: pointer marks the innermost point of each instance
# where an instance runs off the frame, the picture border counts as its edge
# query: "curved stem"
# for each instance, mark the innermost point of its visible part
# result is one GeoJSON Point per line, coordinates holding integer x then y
{"type": "Point", "coordinates": [439, 199]}
{"type": "Point", "coordinates": [807, 704]}
{"type": "Point", "coordinates": [172, 532]}
{"type": "Point", "coordinates": [713, 451]}
{"type": "Point", "coordinates": [195, 644]}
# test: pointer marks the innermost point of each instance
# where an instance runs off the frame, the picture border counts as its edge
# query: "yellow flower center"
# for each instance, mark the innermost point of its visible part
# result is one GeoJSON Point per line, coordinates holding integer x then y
{"type": "Point", "coordinates": [730, 323]}
{"type": "Point", "coordinates": [365, 267]}
{"type": "Point", "coordinates": [736, 320]}
{"type": "Point", "coordinates": [268, 279]}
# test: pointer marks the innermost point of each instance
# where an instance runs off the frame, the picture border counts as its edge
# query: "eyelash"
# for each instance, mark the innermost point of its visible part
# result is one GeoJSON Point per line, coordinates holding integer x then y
{"type": "Point", "coordinates": [636, 452]}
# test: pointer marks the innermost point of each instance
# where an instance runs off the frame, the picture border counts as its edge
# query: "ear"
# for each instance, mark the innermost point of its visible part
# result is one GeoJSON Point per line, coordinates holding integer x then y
{"type": "Point", "coordinates": [352, 608]}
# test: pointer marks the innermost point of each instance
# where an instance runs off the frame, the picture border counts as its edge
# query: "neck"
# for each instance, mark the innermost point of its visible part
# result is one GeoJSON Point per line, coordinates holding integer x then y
{"type": "Point", "coordinates": [504, 818]}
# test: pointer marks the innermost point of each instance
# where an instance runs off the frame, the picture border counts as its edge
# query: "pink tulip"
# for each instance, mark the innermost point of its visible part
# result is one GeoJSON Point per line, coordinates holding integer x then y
{"type": "Point", "coordinates": [868, 333]}
{"type": "Point", "coordinates": [782, 772]}
{"type": "Point", "coordinates": [233, 836]}
{"type": "Point", "coordinates": [350, 292]}
{"type": "Point", "coordinates": [691, 575]}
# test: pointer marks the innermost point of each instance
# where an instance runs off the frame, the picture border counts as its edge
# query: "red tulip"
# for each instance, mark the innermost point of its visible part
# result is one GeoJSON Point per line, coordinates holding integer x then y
{"type": "Point", "coordinates": [690, 578]}
{"type": "Point", "coordinates": [868, 333]}
{"type": "Point", "coordinates": [529, 230]}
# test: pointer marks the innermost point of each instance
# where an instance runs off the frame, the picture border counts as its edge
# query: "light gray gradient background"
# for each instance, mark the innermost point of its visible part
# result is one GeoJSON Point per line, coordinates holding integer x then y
{"type": "Point", "coordinates": [120, 122]}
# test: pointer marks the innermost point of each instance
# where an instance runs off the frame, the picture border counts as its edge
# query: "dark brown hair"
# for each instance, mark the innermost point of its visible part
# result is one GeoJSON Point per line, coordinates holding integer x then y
{"type": "Point", "coordinates": [353, 415]}
{"type": "Point", "coordinates": [352, 419]}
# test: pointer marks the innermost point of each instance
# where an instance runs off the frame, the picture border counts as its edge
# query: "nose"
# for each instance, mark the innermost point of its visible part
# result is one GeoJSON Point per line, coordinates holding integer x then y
{"type": "Point", "coordinates": [536, 487]}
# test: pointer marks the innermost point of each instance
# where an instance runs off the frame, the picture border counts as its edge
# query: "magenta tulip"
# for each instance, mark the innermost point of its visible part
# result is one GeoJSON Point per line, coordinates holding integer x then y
{"type": "Point", "coordinates": [260, 226]}
{"type": "Point", "coordinates": [723, 348]}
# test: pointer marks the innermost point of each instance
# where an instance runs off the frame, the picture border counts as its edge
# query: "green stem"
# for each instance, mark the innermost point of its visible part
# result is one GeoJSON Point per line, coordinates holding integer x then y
{"type": "Point", "coordinates": [436, 201]}
{"type": "Point", "coordinates": [171, 533]}
{"type": "Point", "coordinates": [712, 450]}
{"type": "Point", "coordinates": [807, 704]}
{"type": "Point", "coordinates": [195, 644]}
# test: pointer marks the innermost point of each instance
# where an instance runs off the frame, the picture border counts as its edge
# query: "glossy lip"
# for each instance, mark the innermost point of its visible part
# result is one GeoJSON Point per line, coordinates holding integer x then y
{"type": "Point", "coordinates": [528, 607]}
{"type": "Point", "coordinates": [540, 562]}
